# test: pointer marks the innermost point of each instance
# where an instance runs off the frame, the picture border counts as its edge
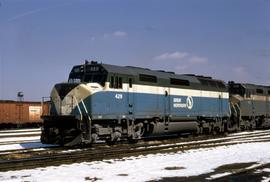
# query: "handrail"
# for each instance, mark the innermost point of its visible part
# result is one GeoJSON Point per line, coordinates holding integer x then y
{"type": "Point", "coordinates": [89, 139]}
{"type": "Point", "coordinates": [77, 104]}
{"type": "Point", "coordinates": [85, 110]}
{"type": "Point", "coordinates": [44, 100]}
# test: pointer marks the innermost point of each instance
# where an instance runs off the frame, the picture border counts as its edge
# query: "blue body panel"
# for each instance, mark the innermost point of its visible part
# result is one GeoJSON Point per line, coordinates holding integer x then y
{"type": "Point", "coordinates": [114, 105]}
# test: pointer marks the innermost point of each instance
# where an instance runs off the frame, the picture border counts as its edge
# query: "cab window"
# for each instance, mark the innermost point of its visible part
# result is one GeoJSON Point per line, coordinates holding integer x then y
{"type": "Point", "coordinates": [116, 82]}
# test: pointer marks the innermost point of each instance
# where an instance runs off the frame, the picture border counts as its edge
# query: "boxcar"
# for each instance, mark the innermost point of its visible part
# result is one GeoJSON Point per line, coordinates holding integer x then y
{"type": "Point", "coordinates": [21, 114]}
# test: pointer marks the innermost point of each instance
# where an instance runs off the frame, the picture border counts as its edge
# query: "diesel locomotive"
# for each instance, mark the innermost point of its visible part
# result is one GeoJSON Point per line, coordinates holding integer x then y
{"type": "Point", "coordinates": [112, 103]}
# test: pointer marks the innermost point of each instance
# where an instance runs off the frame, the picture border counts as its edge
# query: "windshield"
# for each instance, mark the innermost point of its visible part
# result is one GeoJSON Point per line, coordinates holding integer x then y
{"type": "Point", "coordinates": [89, 74]}
{"type": "Point", "coordinates": [76, 74]}
{"type": "Point", "coordinates": [237, 89]}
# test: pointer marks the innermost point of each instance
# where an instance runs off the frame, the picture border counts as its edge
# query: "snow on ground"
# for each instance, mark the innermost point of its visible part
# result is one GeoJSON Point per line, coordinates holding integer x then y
{"type": "Point", "coordinates": [20, 130]}
{"type": "Point", "coordinates": [149, 167]}
{"type": "Point", "coordinates": [18, 139]}
{"type": "Point", "coordinates": [266, 170]}
{"type": "Point", "coordinates": [219, 175]}
{"type": "Point", "coordinates": [30, 145]}
{"type": "Point", "coordinates": [30, 142]}
{"type": "Point", "coordinates": [264, 178]}
{"type": "Point", "coordinates": [248, 132]}
{"type": "Point", "coordinates": [19, 133]}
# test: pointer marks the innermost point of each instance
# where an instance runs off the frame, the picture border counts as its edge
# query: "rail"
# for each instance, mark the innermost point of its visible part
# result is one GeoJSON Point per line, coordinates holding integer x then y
{"type": "Point", "coordinates": [103, 152]}
{"type": "Point", "coordinates": [79, 109]}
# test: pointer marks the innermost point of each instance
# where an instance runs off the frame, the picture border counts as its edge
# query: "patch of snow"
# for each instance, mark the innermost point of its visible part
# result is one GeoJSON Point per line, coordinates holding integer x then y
{"type": "Point", "coordinates": [40, 149]}
{"type": "Point", "coordinates": [266, 170]}
{"type": "Point", "coordinates": [20, 130]}
{"type": "Point", "coordinates": [254, 166]}
{"type": "Point", "coordinates": [253, 137]}
{"type": "Point", "coordinates": [215, 176]}
{"type": "Point", "coordinates": [263, 170]}
{"type": "Point", "coordinates": [150, 167]}
{"type": "Point", "coordinates": [265, 179]}
{"type": "Point", "coordinates": [249, 132]}
{"type": "Point", "coordinates": [30, 145]}
{"type": "Point", "coordinates": [18, 139]}
{"type": "Point", "coordinates": [18, 134]}
{"type": "Point", "coordinates": [70, 150]}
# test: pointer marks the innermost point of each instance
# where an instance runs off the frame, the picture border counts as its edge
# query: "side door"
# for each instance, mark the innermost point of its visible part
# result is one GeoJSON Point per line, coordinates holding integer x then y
{"type": "Point", "coordinates": [166, 107]}
{"type": "Point", "coordinates": [130, 97]}
{"type": "Point", "coordinates": [220, 98]}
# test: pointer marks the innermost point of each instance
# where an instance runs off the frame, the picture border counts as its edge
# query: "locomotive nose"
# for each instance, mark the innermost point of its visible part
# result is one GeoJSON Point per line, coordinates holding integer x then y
{"type": "Point", "coordinates": [64, 88]}
{"type": "Point", "coordinates": [67, 96]}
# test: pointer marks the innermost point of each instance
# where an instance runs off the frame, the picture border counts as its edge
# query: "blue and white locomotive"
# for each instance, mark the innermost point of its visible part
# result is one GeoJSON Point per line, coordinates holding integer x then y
{"type": "Point", "coordinates": [112, 103]}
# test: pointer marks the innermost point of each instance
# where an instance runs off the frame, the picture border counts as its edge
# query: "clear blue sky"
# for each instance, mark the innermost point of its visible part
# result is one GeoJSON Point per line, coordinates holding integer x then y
{"type": "Point", "coordinates": [40, 41]}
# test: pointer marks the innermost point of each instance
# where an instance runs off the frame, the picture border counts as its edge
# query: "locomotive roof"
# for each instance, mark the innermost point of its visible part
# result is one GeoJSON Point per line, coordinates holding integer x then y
{"type": "Point", "coordinates": [131, 70]}
{"type": "Point", "coordinates": [190, 80]}
{"type": "Point", "coordinates": [253, 86]}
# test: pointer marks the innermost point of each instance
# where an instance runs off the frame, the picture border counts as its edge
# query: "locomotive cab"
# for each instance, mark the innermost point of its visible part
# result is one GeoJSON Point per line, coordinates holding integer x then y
{"type": "Point", "coordinates": [88, 73]}
{"type": "Point", "coordinates": [250, 105]}
{"type": "Point", "coordinates": [71, 106]}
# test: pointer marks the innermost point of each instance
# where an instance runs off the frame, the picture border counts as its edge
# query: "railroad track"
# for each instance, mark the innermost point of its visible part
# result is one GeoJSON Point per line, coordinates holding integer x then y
{"type": "Point", "coordinates": [19, 133]}
{"type": "Point", "coordinates": [19, 141]}
{"type": "Point", "coordinates": [199, 139]}
{"type": "Point", "coordinates": [19, 136]}
{"type": "Point", "coordinates": [10, 135]}
{"type": "Point", "coordinates": [101, 152]}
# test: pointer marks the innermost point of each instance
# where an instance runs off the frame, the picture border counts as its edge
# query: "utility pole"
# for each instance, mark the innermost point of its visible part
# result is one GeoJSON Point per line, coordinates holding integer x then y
{"type": "Point", "coordinates": [20, 99]}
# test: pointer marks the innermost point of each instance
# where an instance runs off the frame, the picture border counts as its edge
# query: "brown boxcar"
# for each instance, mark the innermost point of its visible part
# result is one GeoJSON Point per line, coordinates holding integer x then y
{"type": "Point", "coordinates": [21, 114]}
